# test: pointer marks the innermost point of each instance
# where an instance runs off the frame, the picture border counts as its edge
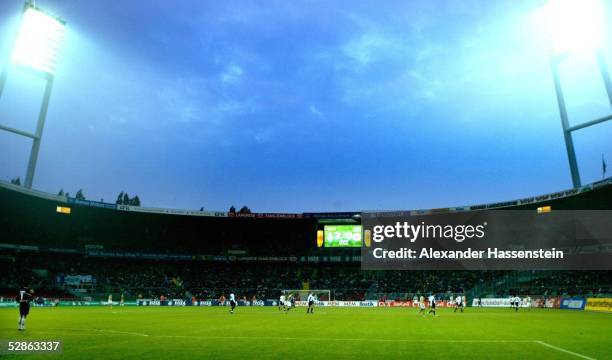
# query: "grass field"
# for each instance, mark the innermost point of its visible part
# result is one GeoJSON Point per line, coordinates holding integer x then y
{"type": "Point", "coordinates": [330, 333]}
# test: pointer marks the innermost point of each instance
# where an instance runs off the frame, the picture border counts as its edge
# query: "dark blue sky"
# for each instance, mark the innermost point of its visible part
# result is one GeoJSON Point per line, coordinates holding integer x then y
{"type": "Point", "coordinates": [303, 105]}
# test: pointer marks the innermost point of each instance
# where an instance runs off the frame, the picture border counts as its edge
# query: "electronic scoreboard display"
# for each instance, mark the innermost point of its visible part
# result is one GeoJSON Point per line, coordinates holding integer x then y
{"type": "Point", "coordinates": [343, 235]}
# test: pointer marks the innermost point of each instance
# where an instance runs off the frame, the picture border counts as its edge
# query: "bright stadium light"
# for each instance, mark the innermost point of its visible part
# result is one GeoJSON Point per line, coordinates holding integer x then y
{"type": "Point", "coordinates": [572, 25]}
{"type": "Point", "coordinates": [36, 50]}
{"type": "Point", "coordinates": [39, 40]}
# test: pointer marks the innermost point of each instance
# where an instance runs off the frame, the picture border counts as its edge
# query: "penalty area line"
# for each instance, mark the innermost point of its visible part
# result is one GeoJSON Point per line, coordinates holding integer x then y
{"type": "Point", "coordinates": [563, 350]}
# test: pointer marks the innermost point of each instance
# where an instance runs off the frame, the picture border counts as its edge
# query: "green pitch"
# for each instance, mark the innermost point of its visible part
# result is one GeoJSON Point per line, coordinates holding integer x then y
{"type": "Point", "coordinates": [330, 333]}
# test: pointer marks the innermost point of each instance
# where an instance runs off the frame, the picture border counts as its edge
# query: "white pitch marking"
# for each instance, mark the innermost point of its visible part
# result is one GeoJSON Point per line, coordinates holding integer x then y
{"type": "Point", "coordinates": [103, 331]}
{"type": "Point", "coordinates": [563, 350]}
{"type": "Point", "coordinates": [364, 339]}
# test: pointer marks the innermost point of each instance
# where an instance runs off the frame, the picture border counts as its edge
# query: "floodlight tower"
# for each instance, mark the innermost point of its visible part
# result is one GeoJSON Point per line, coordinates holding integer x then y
{"type": "Point", "coordinates": [574, 26]}
{"type": "Point", "coordinates": [36, 51]}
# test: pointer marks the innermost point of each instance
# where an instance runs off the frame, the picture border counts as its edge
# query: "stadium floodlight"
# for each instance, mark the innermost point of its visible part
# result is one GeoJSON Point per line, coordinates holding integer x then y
{"type": "Point", "coordinates": [573, 26]}
{"type": "Point", "coordinates": [39, 40]}
{"type": "Point", "coordinates": [36, 50]}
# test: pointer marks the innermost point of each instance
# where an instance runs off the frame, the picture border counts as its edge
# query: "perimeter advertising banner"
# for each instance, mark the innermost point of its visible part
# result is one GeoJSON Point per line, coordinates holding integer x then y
{"type": "Point", "coordinates": [414, 304]}
{"type": "Point", "coordinates": [599, 304]}
{"type": "Point", "coordinates": [178, 302]}
{"type": "Point", "coordinates": [575, 303]}
{"type": "Point", "coordinates": [495, 302]}
{"type": "Point", "coordinates": [367, 303]}
{"type": "Point", "coordinates": [488, 240]}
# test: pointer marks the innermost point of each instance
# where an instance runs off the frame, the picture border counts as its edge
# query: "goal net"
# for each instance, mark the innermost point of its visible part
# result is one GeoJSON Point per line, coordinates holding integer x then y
{"type": "Point", "coordinates": [302, 295]}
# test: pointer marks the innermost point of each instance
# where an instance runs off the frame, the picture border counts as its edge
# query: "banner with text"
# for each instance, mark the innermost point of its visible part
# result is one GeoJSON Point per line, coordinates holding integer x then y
{"type": "Point", "coordinates": [575, 303]}
{"type": "Point", "coordinates": [599, 304]}
{"type": "Point", "coordinates": [496, 302]}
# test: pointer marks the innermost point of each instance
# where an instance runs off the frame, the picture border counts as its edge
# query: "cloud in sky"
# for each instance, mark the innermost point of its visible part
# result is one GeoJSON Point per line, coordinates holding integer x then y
{"type": "Point", "coordinates": [371, 47]}
{"type": "Point", "coordinates": [316, 112]}
{"type": "Point", "coordinates": [231, 75]}
{"type": "Point", "coordinates": [218, 104]}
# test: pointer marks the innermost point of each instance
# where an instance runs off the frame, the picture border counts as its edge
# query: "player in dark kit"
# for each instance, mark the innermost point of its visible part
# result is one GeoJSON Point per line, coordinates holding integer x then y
{"type": "Point", "coordinates": [290, 303]}
{"type": "Point", "coordinates": [23, 298]}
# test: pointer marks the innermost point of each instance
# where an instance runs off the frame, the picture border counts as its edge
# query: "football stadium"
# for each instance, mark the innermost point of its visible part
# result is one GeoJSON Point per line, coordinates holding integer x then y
{"type": "Point", "coordinates": [512, 272]}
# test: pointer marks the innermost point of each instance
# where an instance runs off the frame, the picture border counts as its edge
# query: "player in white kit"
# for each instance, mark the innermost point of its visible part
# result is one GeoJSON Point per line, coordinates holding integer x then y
{"type": "Point", "coordinates": [517, 303]}
{"type": "Point", "coordinates": [232, 301]}
{"type": "Point", "coordinates": [281, 302]}
{"type": "Point", "coordinates": [311, 300]}
{"type": "Point", "coordinates": [459, 305]}
{"type": "Point", "coordinates": [422, 306]}
{"type": "Point", "coordinates": [432, 304]}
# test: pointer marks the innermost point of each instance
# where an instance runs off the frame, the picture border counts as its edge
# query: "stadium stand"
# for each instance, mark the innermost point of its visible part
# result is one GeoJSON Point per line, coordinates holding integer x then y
{"type": "Point", "coordinates": [148, 253]}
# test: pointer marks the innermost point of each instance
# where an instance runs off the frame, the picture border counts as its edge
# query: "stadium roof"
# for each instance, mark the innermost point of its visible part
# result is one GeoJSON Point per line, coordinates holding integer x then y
{"type": "Point", "coordinates": [325, 215]}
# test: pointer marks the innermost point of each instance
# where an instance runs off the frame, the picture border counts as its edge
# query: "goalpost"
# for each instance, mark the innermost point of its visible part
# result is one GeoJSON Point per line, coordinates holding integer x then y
{"type": "Point", "coordinates": [302, 295]}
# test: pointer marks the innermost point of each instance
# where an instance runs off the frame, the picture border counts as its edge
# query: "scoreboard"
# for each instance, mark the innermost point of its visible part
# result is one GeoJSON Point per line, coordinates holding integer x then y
{"type": "Point", "coordinates": [343, 235]}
